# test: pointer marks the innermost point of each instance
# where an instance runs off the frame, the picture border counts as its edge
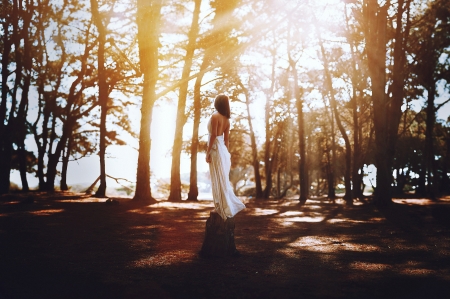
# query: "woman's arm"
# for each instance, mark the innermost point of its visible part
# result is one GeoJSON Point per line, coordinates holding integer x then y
{"type": "Point", "coordinates": [226, 135]}
{"type": "Point", "coordinates": [212, 138]}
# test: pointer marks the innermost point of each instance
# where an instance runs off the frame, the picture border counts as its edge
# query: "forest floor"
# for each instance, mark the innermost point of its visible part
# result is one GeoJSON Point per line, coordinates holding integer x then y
{"type": "Point", "coordinates": [66, 245]}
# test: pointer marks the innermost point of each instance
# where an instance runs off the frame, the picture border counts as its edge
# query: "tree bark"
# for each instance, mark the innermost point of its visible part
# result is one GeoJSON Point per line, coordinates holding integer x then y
{"type": "Point", "coordinates": [175, 180]}
{"type": "Point", "coordinates": [102, 94]}
{"type": "Point", "coordinates": [255, 160]}
{"type": "Point", "coordinates": [23, 106]}
{"type": "Point", "coordinates": [331, 158]}
{"type": "Point", "coordinates": [5, 138]}
{"type": "Point", "coordinates": [303, 170]}
{"type": "Point", "coordinates": [148, 21]}
{"type": "Point", "coordinates": [430, 163]}
{"type": "Point", "coordinates": [267, 161]}
{"type": "Point", "coordinates": [356, 177]}
{"type": "Point", "coordinates": [376, 52]}
{"type": "Point", "coordinates": [193, 188]}
{"type": "Point", "coordinates": [65, 163]}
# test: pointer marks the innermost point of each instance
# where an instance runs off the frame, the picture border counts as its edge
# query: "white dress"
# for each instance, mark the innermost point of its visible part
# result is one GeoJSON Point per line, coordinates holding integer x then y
{"type": "Point", "coordinates": [226, 203]}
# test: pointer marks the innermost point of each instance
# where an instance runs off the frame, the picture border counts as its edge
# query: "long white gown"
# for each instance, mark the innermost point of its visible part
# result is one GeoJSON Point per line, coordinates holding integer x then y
{"type": "Point", "coordinates": [226, 203]}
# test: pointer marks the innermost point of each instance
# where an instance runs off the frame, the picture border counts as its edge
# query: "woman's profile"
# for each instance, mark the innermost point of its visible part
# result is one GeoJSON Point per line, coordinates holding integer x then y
{"type": "Point", "coordinates": [217, 155]}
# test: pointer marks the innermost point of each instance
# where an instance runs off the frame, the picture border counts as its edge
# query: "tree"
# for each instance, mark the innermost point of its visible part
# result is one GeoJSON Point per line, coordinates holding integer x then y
{"type": "Point", "coordinates": [103, 91]}
{"type": "Point", "coordinates": [298, 94]}
{"type": "Point", "coordinates": [386, 107]}
{"type": "Point", "coordinates": [255, 160]}
{"type": "Point", "coordinates": [429, 40]}
{"type": "Point", "coordinates": [175, 181]}
{"type": "Point", "coordinates": [148, 21]}
{"type": "Point", "coordinates": [331, 94]}
{"type": "Point", "coordinates": [216, 45]}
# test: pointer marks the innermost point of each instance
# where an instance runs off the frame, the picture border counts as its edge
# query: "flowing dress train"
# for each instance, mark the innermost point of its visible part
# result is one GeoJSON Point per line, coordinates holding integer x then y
{"type": "Point", "coordinates": [226, 203]}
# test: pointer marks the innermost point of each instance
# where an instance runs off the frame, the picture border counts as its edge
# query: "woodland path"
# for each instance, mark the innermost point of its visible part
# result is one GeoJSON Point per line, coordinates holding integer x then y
{"type": "Point", "coordinates": [71, 246]}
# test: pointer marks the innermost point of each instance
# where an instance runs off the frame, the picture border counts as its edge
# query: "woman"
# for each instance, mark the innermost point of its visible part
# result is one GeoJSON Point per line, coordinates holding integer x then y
{"type": "Point", "coordinates": [226, 203]}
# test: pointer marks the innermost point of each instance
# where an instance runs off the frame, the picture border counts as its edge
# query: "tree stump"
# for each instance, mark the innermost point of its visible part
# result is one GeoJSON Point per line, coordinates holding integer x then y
{"type": "Point", "coordinates": [219, 237]}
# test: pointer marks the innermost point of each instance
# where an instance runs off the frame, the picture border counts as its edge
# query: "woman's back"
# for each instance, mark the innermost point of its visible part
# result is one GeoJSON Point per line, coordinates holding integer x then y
{"type": "Point", "coordinates": [219, 124]}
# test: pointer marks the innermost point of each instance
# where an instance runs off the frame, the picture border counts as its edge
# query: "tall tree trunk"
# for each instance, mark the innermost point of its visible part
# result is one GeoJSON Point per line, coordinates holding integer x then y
{"type": "Point", "coordinates": [5, 138]}
{"type": "Point", "coordinates": [148, 21]}
{"type": "Point", "coordinates": [267, 161]}
{"type": "Point", "coordinates": [376, 52]}
{"type": "Point", "coordinates": [387, 111]}
{"type": "Point", "coordinates": [430, 163]}
{"type": "Point", "coordinates": [348, 149]}
{"type": "Point", "coordinates": [23, 107]}
{"type": "Point", "coordinates": [193, 188]}
{"type": "Point", "coordinates": [175, 180]}
{"type": "Point", "coordinates": [356, 177]}
{"type": "Point", "coordinates": [331, 158]}
{"type": "Point", "coordinates": [303, 169]}
{"type": "Point", "coordinates": [255, 160]}
{"type": "Point", "coordinates": [102, 94]}
{"type": "Point", "coordinates": [398, 78]}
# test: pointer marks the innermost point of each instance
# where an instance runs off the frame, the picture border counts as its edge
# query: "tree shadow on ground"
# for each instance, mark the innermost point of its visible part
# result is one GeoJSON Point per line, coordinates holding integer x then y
{"type": "Point", "coordinates": [78, 247]}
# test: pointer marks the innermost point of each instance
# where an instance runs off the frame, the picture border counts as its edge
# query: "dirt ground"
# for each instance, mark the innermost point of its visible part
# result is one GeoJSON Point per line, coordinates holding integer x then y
{"type": "Point", "coordinates": [71, 246]}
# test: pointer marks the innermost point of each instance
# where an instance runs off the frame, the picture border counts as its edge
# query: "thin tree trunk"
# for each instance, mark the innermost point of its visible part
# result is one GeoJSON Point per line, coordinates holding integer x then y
{"type": "Point", "coordinates": [356, 177]}
{"type": "Point", "coordinates": [65, 164]}
{"type": "Point", "coordinates": [193, 188]}
{"type": "Point", "coordinates": [47, 105]}
{"type": "Point", "coordinates": [148, 21]}
{"type": "Point", "coordinates": [23, 107]}
{"type": "Point", "coordinates": [331, 158]}
{"type": "Point", "coordinates": [44, 136]}
{"type": "Point", "coordinates": [69, 123]}
{"type": "Point", "coordinates": [267, 161]}
{"type": "Point", "coordinates": [429, 147]}
{"type": "Point", "coordinates": [5, 140]}
{"type": "Point", "coordinates": [175, 180]}
{"type": "Point", "coordinates": [330, 178]}
{"type": "Point", "coordinates": [303, 170]}
{"type": "Point", "coordinates": [348, 149]}
{"type": "Point", "coordinates": [275, 158]}
{"type": "Point", "coordinates": [21, 127]}
{"type": "Point", "coordinates": [255, 160]}
{"type": "Point", "coordinates": [102, 94]}
{"type": "Point", "coordinates": [53, 158]}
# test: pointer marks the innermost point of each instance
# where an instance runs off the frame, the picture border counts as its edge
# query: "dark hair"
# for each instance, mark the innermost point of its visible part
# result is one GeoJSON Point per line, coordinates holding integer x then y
{"type": "Point", "coordinates": [222, 105]}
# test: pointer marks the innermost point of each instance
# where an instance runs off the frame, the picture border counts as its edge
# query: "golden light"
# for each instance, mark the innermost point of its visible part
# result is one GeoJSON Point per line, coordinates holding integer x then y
{"type": "Point", "coordinates": [46, 212]}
